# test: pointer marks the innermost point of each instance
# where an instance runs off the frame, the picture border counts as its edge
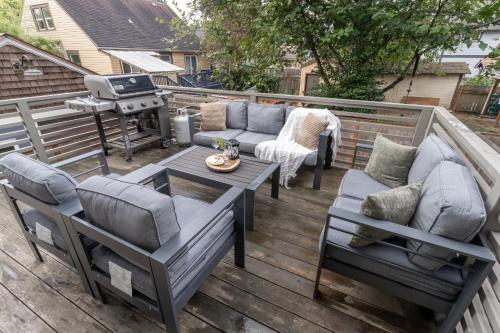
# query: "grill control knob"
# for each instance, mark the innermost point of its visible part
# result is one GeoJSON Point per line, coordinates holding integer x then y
{"type": "Point", "coordinates": [130, 106]}
{"type": "Point", "coordinates": [143, 104]}
{"type": "Point", "coordinates": [155, 101]}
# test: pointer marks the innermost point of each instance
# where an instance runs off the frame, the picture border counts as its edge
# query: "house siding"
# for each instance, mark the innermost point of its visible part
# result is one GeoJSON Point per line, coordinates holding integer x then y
{"type": "Point", "coordinates": [69, 33]}
{"type": "Point", "coordinates": [426, 85]}
{"type": "Point", "coordinates": [442, 87]}
{"type": "Point", "coordinates": [55, 79]}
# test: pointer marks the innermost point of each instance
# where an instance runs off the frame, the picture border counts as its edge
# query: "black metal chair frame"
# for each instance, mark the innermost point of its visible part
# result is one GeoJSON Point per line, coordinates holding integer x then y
{"type": "Point", "coordinates": [477, 262]}
{"type": "Point", "coordinates": [165, 308]}
{"type": "Point", "coordinates": [58, 214]}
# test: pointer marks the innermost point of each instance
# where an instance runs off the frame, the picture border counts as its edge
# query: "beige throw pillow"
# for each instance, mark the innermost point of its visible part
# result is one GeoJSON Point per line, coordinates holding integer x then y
{"type": "Point", "coordinates": [213, 116]}
{"type": "Point", "coordinates": [308, 134]}
{"type": "Point", "coordinates": [390, 162]}
{"type": "Point", "coordinates": [396, 205]}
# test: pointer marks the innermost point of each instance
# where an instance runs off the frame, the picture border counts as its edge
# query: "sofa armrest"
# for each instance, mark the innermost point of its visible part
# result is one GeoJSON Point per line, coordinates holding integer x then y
{"type": "Point", "coordinates": [359, 146]}
{"type": "Point", "coordinates": [103, 163]}
{"type": "Point", "coordinates": [150, 173]}
{"type": "Point", "coordinates": [467, 249]}
{"type": "Point", "coordinates": [324, 137]}
{"type": "Point", "coordinates": [192, 129]}
{"type": "Point", "coordinates": [178, 244]}
{"type": "Point", "coordinates": [364, 146]}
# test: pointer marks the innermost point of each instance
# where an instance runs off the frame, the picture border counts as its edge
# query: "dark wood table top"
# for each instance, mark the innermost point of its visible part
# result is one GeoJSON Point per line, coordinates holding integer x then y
{"type": "Point", "coordinates": [251, 172]}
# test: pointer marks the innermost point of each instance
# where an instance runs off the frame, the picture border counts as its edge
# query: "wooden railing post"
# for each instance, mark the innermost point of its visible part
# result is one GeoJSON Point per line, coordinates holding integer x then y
{"type": "Point", "coordinates": [422, 127]}
{"type": "Point", "coordinates": [34, 134]}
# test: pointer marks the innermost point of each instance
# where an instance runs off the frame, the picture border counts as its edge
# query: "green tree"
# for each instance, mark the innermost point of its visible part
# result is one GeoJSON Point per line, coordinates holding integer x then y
{"type": "Point", "coordinates": [241, 49]}
{"type": "Point", "coordinates": [353, 42]}
{"type": "Point", "coordinates": [10, 23]}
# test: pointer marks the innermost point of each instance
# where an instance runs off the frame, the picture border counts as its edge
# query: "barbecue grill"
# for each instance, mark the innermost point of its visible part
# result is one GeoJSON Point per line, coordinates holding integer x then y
{"type": "Point", "coordinates": [134, 100]}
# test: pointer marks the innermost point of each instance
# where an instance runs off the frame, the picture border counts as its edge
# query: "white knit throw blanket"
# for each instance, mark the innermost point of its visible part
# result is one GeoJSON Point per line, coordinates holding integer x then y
{"type": "Point", "coordinates": [286, 151]}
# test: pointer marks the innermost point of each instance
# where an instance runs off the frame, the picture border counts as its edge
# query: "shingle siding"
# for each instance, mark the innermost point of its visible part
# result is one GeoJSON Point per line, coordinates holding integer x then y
{"type": "Point", "coordinates": [55, 79]}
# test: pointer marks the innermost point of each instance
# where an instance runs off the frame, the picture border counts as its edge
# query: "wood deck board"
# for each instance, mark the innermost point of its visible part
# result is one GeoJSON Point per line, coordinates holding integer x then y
{"type": "Point", "coordinates": [273, 293]}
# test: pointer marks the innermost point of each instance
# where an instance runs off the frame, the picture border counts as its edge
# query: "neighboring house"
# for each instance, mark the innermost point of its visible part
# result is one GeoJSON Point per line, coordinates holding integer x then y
{"type": "Point", "coordinates": [49, 73]}
{"type": "Point", "coordinates": [474, 54]}
{"type": "Point", "coordinates": [434, 84]}
{"type": "Point", "coordinates": [114, 36]}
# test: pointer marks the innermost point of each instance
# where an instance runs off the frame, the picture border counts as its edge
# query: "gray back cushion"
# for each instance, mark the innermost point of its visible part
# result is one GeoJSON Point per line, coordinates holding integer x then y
{"type": "Point", "coordinates": [133, 212]}
{"type": "Point", "coordinates": [451, 206]}
{"type": "Point", "coordinates": [45, 183]}
{"type": "Point", "coordinates": [265, 118]}
{"type": "Point", "coordinates": [288, 111]}
{"type": "Point", "coordinates": [430, 153]}
{"type": "Point", "coordinates": [236, 113]}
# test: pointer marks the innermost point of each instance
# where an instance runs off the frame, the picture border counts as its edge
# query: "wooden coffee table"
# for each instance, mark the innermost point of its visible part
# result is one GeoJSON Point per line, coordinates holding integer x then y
{"type": "Point", "coordinates": [252, 173]}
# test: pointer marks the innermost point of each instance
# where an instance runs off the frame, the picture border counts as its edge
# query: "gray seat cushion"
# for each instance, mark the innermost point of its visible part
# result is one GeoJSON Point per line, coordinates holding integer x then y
{"type": "Point", "coordinates": [248, 140]}
{"type": "Point", "coordinates": [236, 113]}
{"type": "Point", "coordinates": [311, 158]}
{"type": "Point", "coordinates": [45, 183]}
{"type": "Point", "coordinates": [451, 206]}
{"type": "Point", "coordinates": [265, 118]}
{"type": "Point", "coordinates": [430, 153]}
{"type": "Point", "coordinates": [206, 138]}
{"type": "Point", "coordinates": [389, 262]}
{"type": "Point", "coordinates": [357, 184]}
{"type": "Point", "coordinates": [32, 217]}
{"type": "Point", "coordinates": [135, 213]}
{"type": "Point", "coordinates": [188, 264]}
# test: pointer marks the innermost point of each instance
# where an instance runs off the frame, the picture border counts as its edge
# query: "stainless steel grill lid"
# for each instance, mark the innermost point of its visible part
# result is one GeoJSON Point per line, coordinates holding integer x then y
{"type": "Point", "coordinates": [114, 87]}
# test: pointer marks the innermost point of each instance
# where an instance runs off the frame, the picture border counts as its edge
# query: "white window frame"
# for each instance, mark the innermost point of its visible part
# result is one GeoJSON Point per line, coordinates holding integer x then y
{"type": "Point", "coordinates": [71, 53]}
{"type": "Point", "coordinates": [133, 69]}
{"type": "Point", "coordinates": [186, 61]}
{"type": "Point", "coordinates": [43, 17]}
{"type": "Point", "coordinates": [166, 55]}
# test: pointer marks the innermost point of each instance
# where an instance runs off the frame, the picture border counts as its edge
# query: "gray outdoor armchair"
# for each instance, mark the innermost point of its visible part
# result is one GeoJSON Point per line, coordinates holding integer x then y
{"type": "Point", "coordinates": [440, 260]}
{"type": "Point", "coordinates": [50, 195]}
{"type": "Point", "coordinates": [154, 250]}
{"type": "Point", "coordinates": [385, 265]}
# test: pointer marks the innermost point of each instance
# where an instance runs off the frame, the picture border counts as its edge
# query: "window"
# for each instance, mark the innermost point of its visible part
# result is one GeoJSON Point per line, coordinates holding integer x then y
{"type": "Point", "coordinates": [42, 17]}
{"type": "Point", "coordinates": [74, 57]}
{"type": "Point", "coordinates": [191, 63]}
{"type": "Point", "coordinates": [166, 57]}
{"type": "Point", "coordinates": [128, 68]}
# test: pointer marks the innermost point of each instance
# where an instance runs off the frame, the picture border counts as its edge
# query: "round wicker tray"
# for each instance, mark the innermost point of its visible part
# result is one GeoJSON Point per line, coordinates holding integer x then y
{"type": "Point", "coordinates": [228, 166]}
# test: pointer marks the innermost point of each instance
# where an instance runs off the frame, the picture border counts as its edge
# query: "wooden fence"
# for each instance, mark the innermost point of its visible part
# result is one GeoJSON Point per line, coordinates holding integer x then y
{"type": "Point", "coordinates": [289, 81]}
{"type": "Point", "coordinates": [471, 99]}
{"type": "Point", "coordinates": [42, 127]}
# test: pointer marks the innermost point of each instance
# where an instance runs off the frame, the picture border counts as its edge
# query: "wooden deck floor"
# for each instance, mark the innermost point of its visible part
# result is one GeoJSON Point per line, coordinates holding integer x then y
{"type": "Point", "coordinates": [273, 292]}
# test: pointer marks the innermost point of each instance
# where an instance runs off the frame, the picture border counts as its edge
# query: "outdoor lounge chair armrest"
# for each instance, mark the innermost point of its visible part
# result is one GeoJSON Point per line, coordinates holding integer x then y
{"type": "Point", "coordinates": [142, 175]}
{"type": "Point", "coordinates": [121, 247]}
{"type": "Point", "coordinates": [467, 249]}
{"type": "Point", "coordinates": [364, 146]}
{"type": "Point", "coordinates": [177, 244]}
{"type": "Point", "coordinates": [91, 154]}
{"type": "Point", "coordinates": [323, 143]}
{"type": "Point", "coordinates": [327, 132]}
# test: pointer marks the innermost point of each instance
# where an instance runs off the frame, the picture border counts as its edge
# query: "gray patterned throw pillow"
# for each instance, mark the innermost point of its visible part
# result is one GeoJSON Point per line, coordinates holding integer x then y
{"type": "Point", "coordinates": [390, 162]}
{"type": "Point", "coordinates": [396, 205]}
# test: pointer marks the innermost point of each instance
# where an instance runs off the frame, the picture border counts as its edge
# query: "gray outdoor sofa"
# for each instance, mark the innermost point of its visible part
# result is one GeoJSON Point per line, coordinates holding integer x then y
{"type": "Point", "coordinates": [439, 260]}
{"type": "Point", "coordinates": [252, 123]}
